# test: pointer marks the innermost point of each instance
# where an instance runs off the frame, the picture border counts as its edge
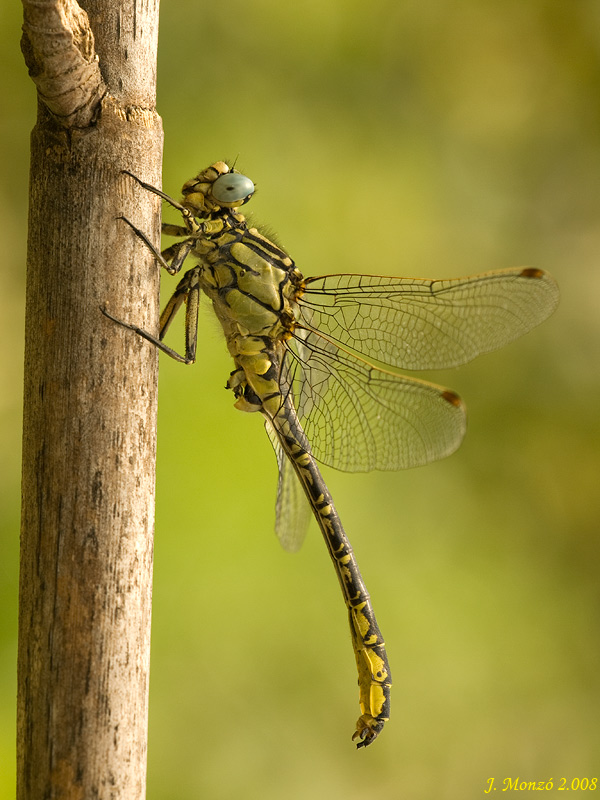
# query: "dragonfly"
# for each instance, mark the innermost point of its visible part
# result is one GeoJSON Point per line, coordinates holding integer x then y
{"type": "Point", "coordinates": [318, 358]}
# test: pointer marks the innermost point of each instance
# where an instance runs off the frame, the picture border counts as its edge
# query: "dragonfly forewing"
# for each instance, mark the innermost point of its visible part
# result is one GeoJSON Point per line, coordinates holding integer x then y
{"type": "Point", "coordinates": [416, 324]}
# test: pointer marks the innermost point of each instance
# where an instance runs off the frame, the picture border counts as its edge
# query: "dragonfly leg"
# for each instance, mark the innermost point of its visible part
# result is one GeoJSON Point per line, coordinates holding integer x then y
{"type": "Point", "coordinates": [173, 230]}
{"type": "Point", "coordinates": [171, 258]}
{"type": "Point", "coordinates": [188, 292]}
{"type": "Point", "coordinates": [148, 336]}
{"type": "Point", "coordinates": [154, 190]}
{"type": "Point", "coordinates": [192, 300]}
{"type": "Point", "coordinates": [176, 254]}
{"type": "Point", "coordinates": [192, 226]}
{"type": "Point", "coordinates": [141, 235]}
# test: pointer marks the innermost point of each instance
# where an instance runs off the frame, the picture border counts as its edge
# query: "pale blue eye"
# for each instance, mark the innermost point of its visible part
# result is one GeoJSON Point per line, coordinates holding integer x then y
{"type": "Point", "coordinates": [232, 188]}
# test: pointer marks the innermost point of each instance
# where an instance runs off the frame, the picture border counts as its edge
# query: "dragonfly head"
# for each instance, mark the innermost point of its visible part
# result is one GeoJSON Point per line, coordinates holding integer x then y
{"type": "Point", "coordinates": [218, 186]}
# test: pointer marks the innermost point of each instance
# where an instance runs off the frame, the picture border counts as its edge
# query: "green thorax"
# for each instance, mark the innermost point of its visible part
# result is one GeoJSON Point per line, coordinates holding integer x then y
{"type": "Point", "coordinates": [252, 283]}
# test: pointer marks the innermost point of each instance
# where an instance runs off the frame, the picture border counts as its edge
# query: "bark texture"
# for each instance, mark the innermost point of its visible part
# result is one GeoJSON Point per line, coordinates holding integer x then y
{"type": "Point", "coordinates": [90, 403]}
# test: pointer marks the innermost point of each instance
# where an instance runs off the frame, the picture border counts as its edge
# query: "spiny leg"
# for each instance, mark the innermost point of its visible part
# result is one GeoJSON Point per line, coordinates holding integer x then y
{"type": "Point", "coordinates": [188, 292]}
{"type": "Point", "coordinates": [173, 230]}
{"type": "Point", "coordinates": [154, 190]}
{"type": "Point", "coordinates": [191, 224]}
{"type": "Point", "coordinates": [171, 258]}
{"type": "Point", "coordinates": [177, 253]}
{"type": "Point", "coordinates": [141, 235]}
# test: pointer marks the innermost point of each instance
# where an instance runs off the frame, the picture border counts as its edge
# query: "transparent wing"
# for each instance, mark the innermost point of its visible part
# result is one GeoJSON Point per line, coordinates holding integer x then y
{"type": "Point", "coordinates": [357, 417]}
{"type": "Point", "coordinates": [427, 324]}
{"type": "Point", "coordinates": [292, 511]}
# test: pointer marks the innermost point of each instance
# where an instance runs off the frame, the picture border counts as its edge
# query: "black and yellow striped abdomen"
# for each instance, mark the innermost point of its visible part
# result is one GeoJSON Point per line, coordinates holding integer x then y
{"type": "Point", "coordinates": [374, 675]}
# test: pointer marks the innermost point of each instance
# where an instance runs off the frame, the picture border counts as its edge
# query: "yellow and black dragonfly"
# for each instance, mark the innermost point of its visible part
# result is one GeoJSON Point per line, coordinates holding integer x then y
{"type": "Point", "coordinates": [305, 352]}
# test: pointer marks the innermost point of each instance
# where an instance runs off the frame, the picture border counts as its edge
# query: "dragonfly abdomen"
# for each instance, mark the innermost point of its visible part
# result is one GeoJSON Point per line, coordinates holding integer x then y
{"type": "Point", "coordinates": [374, 675]}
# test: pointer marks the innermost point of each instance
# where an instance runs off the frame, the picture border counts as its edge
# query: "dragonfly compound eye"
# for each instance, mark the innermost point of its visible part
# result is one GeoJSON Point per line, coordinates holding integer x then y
{"type": "Point", "coordinates": [232, 189]}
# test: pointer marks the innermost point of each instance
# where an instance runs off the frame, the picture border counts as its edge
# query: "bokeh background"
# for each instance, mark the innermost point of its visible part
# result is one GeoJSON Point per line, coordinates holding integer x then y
{"type": "Point", "coordinates": [421, 138]}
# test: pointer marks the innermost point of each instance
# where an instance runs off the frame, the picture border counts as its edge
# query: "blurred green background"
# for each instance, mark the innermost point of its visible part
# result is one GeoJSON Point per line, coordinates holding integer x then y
{"type": "Point", "coordinates": [405, 138]}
